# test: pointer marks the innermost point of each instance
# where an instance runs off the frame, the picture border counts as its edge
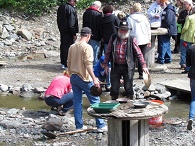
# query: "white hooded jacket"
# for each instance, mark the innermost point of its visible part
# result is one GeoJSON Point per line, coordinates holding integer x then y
{"type": "Point", "coordinates": [139, 28]}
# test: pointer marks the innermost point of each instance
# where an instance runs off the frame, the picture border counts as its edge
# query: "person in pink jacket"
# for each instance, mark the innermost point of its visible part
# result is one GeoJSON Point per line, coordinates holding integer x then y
{"type": "Point", "coordinates": [59, 94]}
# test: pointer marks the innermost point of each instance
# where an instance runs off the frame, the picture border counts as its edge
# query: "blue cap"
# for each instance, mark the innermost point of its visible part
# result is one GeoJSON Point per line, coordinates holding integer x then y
{"type": "Point", "coordinates": [102, 59]}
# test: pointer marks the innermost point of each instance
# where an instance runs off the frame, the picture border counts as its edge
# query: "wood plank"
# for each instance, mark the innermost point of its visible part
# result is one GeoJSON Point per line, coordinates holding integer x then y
{"type": "Point", "coordinates": [133, 132]}
{"type": "Point", "coordinates": [115, 132]}
{"type": "Point", "coordinates": [178, 84]}
{"type": "Point", "coordinates": [149, 55]}
{"type": "Point", "coordinates": [143, 133]}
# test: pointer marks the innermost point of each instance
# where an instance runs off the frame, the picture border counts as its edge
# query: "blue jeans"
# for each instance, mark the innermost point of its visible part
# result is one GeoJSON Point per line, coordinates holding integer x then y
{"type": "Point", "coordinates": [121, 70]}
{"type": "Point", "coordinates": [96, 46]}
{"type": "Point", "coordinates": [183, 51]}
{"type": "Point", "coordinates": [66, 101]}
{"type": "Point", "coordinates": [78, 85]}
{"type": "Point", "coordinates": [105, 77]}
{"type": "Point", "coordinates": [192, 104]}
{"type": "Point", "coordinates": [164, 49]}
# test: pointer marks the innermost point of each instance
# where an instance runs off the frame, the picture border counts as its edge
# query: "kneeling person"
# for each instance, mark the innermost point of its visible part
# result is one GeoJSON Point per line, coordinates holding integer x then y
{"type": "Point", "coordinates": [99, 71]}
{"type": "Point", "coordinates": [59, 93]}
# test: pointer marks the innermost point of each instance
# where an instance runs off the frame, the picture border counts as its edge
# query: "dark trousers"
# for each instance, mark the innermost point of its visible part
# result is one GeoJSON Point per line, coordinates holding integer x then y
{"type": "Point", "coordinates": [177, 42]}
{"type": "Point", "coordinates": [121, 70]}
{"type": "Point", "coordinates": [66, 101]}
{"type": "Point", "coordinates": [66, 41]}
{"type": "Point", "coordinates": [143, 50]}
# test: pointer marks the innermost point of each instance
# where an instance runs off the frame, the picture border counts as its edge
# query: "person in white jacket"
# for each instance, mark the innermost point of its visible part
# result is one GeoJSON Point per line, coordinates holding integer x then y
{"type": "Point", "coordinates": [140, 28]}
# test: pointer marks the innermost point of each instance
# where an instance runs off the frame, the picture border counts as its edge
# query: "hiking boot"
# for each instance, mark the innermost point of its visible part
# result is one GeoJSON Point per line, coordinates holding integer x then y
{"type": "Point", "coordinates": [103, 129]}
{"type": "Point", "coordinates": [189, 126]}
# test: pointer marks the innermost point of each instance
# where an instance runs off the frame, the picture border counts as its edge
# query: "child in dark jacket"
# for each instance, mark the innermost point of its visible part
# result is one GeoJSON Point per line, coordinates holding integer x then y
{"type": "Point", "coordinates": [99, 71]}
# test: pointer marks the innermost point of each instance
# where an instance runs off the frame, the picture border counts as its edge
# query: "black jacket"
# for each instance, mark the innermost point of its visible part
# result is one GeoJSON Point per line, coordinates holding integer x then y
{"type": "Point", "coordinates": [182, 16]}
{"type": "Point", "coordinates": [92, 19]}
{"type": "Point", "coordinates": [67, 19]}
{"type": "Point", "coordinates": [190, 61]}
{"type": "Point", "coordinates": [168, 20]}
{"type": "Point", "coordinates": [108, 26]}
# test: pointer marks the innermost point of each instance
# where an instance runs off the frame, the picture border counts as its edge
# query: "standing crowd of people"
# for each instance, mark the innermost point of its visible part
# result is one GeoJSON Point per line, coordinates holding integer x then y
{"type": "Point", "coordinates": [111, 45]}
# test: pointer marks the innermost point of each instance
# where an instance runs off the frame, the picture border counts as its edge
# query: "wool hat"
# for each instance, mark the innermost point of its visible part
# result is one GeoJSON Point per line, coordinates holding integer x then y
{"type": "Point", "coordinates": [85, 31]}
{"type": "Point", "coordinates": [123, 25]}
{"type": "Point", "coordinates": [189, 2]}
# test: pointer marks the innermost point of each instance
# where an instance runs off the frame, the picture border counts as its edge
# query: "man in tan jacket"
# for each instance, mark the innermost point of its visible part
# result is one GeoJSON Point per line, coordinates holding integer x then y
{"type": "Point", "coordinates": [80, 66]}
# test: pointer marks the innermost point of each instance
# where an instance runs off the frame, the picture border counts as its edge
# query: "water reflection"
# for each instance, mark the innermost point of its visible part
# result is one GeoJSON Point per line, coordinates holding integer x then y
{"type": "Point", "coordinates": [19, 102]}
{"type": "Point", "coordinates": [177, 108]}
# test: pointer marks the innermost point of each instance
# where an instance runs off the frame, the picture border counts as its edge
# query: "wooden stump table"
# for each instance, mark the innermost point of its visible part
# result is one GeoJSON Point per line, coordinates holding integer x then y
{"type": "Point", "coordinates": [128, 126]}
{"type": "Point", "coordinates": [150, 52]}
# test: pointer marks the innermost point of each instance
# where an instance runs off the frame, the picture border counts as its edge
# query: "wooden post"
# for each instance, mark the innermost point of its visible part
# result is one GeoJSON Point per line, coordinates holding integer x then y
{"type": "Point", "coordinates": [150, 53]}
{"type": "Point", "coordinates": [143, 131]}
{"type": "Point", "coordinates": [133, 133]}
{"type": "Point", "coordinates": [115, 132]}
{"type": "Point", "coordinates": [128, 132]}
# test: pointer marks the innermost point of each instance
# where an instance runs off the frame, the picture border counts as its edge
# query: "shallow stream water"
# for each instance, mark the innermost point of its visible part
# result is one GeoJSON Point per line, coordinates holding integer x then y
{"type": "Point", "coordinates": [177, 108]}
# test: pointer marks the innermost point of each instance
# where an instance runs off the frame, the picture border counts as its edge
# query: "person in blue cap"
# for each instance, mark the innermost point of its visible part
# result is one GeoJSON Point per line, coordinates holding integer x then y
{"type": "Point", "coordinates": [99, 71]}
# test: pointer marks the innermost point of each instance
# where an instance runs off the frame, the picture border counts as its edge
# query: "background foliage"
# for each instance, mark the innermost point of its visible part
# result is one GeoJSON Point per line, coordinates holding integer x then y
{"type": "Point", "coordinates": [38, 7]}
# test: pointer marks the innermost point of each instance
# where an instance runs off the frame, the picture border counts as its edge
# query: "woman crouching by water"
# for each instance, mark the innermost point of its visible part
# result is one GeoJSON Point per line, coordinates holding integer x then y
{"type": "Point", "coordinates": [59, 94]}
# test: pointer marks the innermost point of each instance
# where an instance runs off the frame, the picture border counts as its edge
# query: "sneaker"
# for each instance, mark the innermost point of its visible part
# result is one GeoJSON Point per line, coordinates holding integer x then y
{"type": "Point", "coordinates": [83, 128]}
{"type": "Point", "coordinates": [64, 67]}
{"type": "Point", "coordinates": [189, 126]}
{"type": "Point", "coordinates": [108, 88]}
{"type": "Point", "coordinates": [54, 109]}
{"type": "Point", "coordinates": [103, 129]}
{"type": "Point", "coordinates": [184, 72]}
{"type": "Point", "coordinates": [183, 66]}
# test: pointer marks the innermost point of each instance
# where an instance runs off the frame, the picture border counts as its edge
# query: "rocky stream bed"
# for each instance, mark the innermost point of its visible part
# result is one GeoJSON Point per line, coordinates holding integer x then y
{"type": "Point", "coordinates": [29, 53]}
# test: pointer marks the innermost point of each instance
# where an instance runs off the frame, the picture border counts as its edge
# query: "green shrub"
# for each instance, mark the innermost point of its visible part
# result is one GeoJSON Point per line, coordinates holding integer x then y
{"type": "Point", "coordinates": [83, 4]}
{"type": "Point", "coordinates": [7, 3]}
{"type": "Point", "coordinates": [39, 7]}
{"type": "Point", "coordinates": [36, 7]}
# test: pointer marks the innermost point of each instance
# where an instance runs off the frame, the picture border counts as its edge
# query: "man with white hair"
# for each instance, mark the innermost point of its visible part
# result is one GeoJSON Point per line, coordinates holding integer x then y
{"type": "Point", "coordinates": [91, 18]}
{"type": "Point", "coordinates": [188, 10]}
{"type": "Point", "coordinates": [121, 52]}
{"type": "Point", "coordinates": [140, 28]}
